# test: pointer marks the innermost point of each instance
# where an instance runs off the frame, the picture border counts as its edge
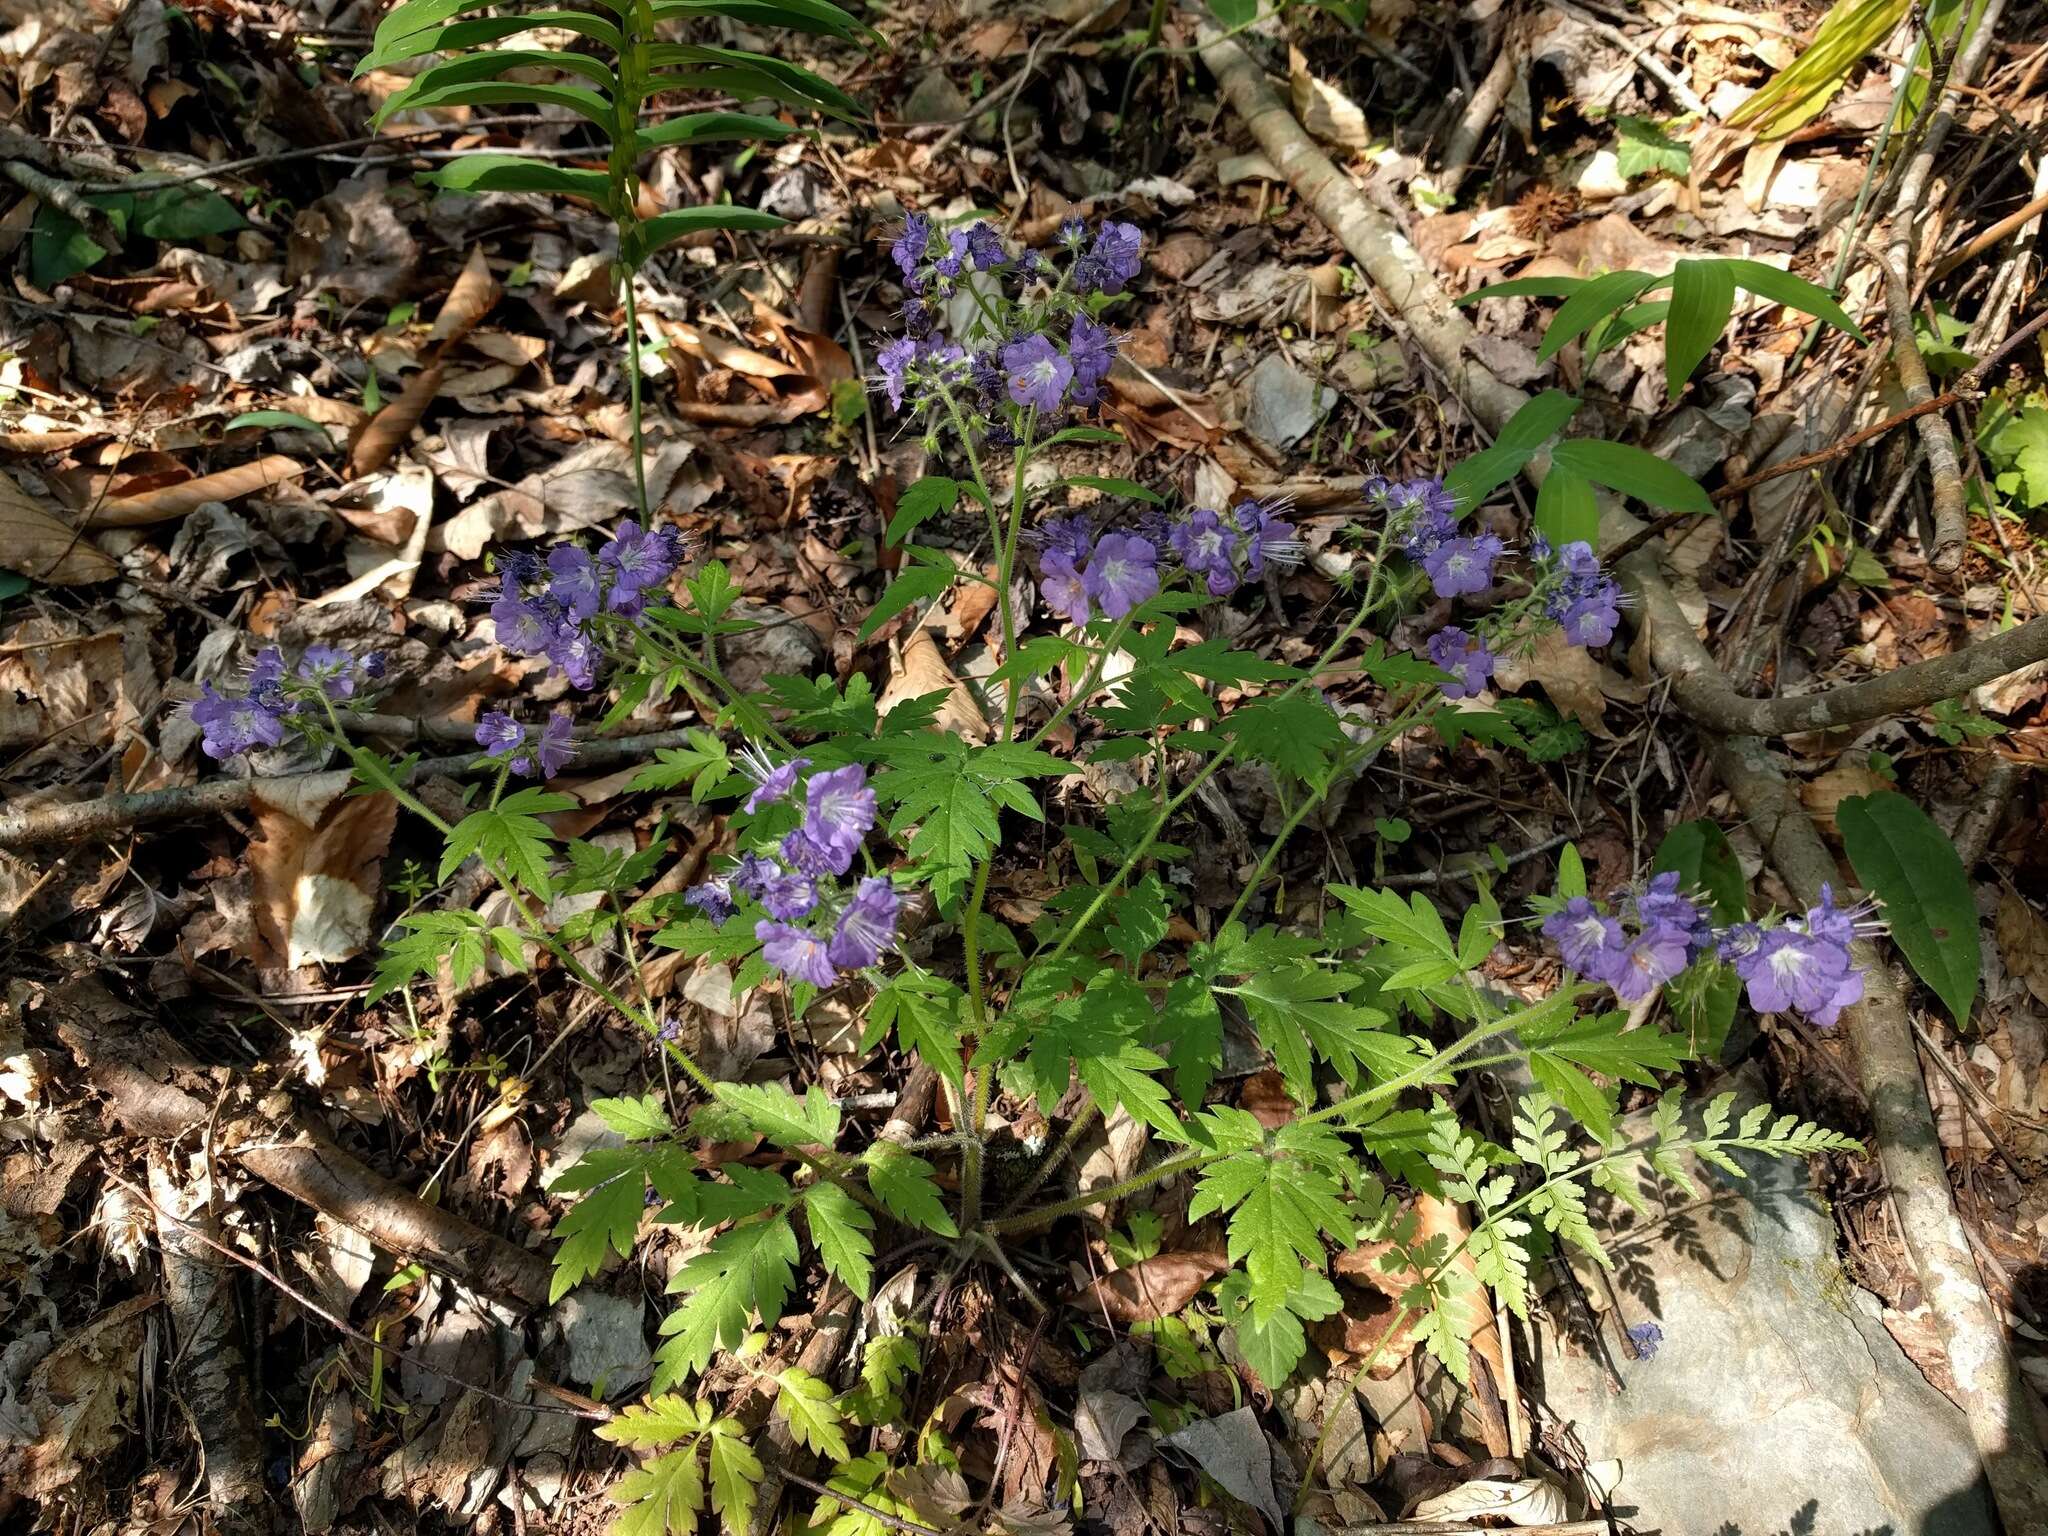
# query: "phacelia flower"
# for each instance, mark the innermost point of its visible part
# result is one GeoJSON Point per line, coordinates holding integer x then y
{"type": "Point", "coordinates": [523, 627]}
{"type": "Point", "coordinates": [499, 734]}
{"type": "Point", "coordinates": [1645, 1337]}
{"type": "Point", "coordinates": [573, 581]}
{"type": "Point", "coordinates": [1039, 373]}
{"type": "Point", "coordinates": [788, 895]}
{"type": "Point", "coordinates": [1205, 543]}
{"type": "Point", "coordinates": [1583, 599]}
{"type": "Point", "coordinates": [1122, 573]}
{"type": "Point", "coordinates": [866, 927]}
{"type": "Point", "coordinates": [839, 809]}
{"type": "Point", "coordinates": [1648, 960]}
{"type": "Point", "coordinates": [1062, 587]}
{"type": "Point", "coordinates": [1459, 567]}
{"type": "Point", "coordinates": [796, 952]}
{"type": "Point", "coordinates": [1091, 348]}
{"type": "Point", "coordinates": [231, 726]}
{"type": "Point", "coordinates": [895, 360]}
{"type": "Point", "coordinates": [1112, 261]}
{"type": "Point", "coordinates": [1466, 657]}
{"type": "Point", "coordinates": [982, 246]}
{"type": "Point", "coordinates": [1422, 513]}
{"type": "Point", "coordinates": [576, 653]}
{"type": "Point", "coordinates": [771, 782]}
{"type": "Point", "coordinates": [910, 248]}
{"type": "Point", "coordinates": [636, 561]}
{"type": "Point", "coordinates": [1589, 941]}
{"type": "Point", "coordinates": [1267, 537]}
{"type": "Point", "coordinates": [713, 898]}
{"type": "Point", "coordinates": [266, 676]}
{"type": "Point", "coordinates": [552, 750]}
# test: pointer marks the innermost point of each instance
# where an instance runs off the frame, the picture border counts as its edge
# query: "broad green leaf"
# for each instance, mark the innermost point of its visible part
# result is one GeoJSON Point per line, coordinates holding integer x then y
{"type": "Point", "coordinates": [1596, 299]}
{"type": "Point", "coordinates": [662, 1498]}
{"type": "Point", "coordinates": [1706, 861]}
{"type": "Point", "coordinates": [784, 81]}
{"type": "Point", "coordinates": [712, 128]}
{"type": "Point", "coordinates": [185, 213]}
{"type": "Point", "coordinates": [840, 1227]}
{"type": "Point", "coordinates": [664, 229]}
{"type": "Point", "coordinates": [1913, 868]}
{"type": "Point", "coordinates": [905, 1184]}
{"type": "Point", "coordinates": [1634, 472]}
{"type": "Point", "coordinates": [1768, 282]}
{"type": "Point", "coordinates": [736, 1474]}
{"type": "Point", "coordinates": [813, 1417]}
{"type": "Point", "coordinates": [1801, 91]}
{"type": "Point", "coordinates": [747, 1270]}
{"type": "Point", "coordinates": [919, 584]}
{"type": "Point", "coordinates": [277, 420]}
{"type": "Point", "coordinates": [1577, 1094]}
{"type": "Point", "coordinates": [1566, 510]}
{"type": "Point", "coordinates": [657, 1422]}
{"type": "Point", "coordinates": [1644, 147]}
{"type": "Point", "coordinates": [641, 1119]}
{"type": "Point", "coordinates": [1413, 924]}
{"type": "Point", "coordinates": [1113, 486]}
{"type": "Point", "coordinates": [1526, 287]}
{"type": "Point", "coordinates": [480, 171]}
{"type": "Point", "coordinates": [819, 16]}
{"type": "Point", "coordinates": [1702, 298]}
{"type": "Point", "coordinates": [1539, 421]}
{"type": "Point", "coordinates": [1191, 1037]}
{"type": "Point", "coordinates": [605, 1220]}
{"type": "Point", "coordinates": [395, 47]}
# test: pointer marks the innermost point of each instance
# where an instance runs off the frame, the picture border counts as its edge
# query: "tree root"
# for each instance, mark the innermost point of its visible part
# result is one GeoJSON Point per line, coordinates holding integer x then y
{"type": "Point", "coordinates": [145, 1075]}
{"type": "Point", "coordinates": [1992, 1394]}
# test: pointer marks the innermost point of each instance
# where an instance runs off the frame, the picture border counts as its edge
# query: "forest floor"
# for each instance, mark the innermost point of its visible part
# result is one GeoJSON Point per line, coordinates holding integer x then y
{"type": "Point", "coordinates": [297, 267]}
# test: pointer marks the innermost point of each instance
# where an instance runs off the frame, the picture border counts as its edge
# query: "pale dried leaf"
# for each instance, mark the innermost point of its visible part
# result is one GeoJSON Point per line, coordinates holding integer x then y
{"type": "Point", "coordinates": [2023, 943]}
{"type": "Point", "coordinates": [387, 431]}
{"type": "Point", "coordinates": [316, 874]}
{"type": "Point", "coordinates": [1150, 1289]}
{"type": "Point", "coordinates": [473, 296]}
{"type": "Point", "coordinates": [921, 670]}
{"type": "Point", "coordinates": [160, 506]}
{"type": "Point", "coordinates": [40, 545]}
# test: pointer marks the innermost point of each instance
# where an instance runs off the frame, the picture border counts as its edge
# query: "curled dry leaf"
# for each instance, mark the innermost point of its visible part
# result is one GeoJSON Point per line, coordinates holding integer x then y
{"type": "Point", "coordinates": [1150, 1289]}
{"type": "Point", "coordinates": [160, 506]}
{"type": "Point", "coordinates": [78, 1400]}
{"type": "Point", "coordinates": [2023, 943]}
{"type": "Point", "coordinates": [1573, 678]}
{"type": "Point", "coordinates": [1326, 112]}
{"type": "Point", "coordinates": [1361, 1266]}
{"type": "Point", "coordinates": [384, 433]}
{"type": "Point", "coordinates": [921, 670]}
{"type": "Point", "coordinates": [315, 867]}
{"type": "Point", "coordinates": [37, 543]}
{"type": "Point", "coordinates": [1520, 1501]}
{"type": "Point", "coordinates": [1822, 796]}
{"type": "Point", "coordinates": [474, 295]}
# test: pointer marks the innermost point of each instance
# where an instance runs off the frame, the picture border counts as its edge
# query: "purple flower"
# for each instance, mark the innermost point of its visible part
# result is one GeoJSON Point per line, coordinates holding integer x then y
{"type": "Point", "coordinates": [1062, 587]}
{"type": "Point", "coordinates": [522, 626]}
{"type": "Point", "coordinates": [1648, 960]}
{"type": "Point", "coordinates": [1112, 261]}
{"type": "Point", "coordinates": [499, 734]}
{"type": "Point", "coordinates": [839, 808]}
{"type": "Point", "coordinates": [572, 580]}
{"type": "Point", "coordinates": [1796, 972]}
{"type": "Point", "coordinates": [373, 665]}
{"type": "Point", "coordinates": [866, 927]}
{"type": "Point", "coordinates": [1091, 348]}
{"type": "Point", "coordinates": [331, 669]}
{"type": "Point", "coordinates": [1645, 1337]}
{"type": "Point", "coordinates": [910, 248]}
{"type": "Point", "coordinates": [1267, 536]}
{"type": "Point", "coordinates": [787, 894]}
{"type": "Point", "coordinates": [1465, 657]}
{"type": "Point", "coordinates": [1072, 234]}
{"type": "Point", "coordinates": [1589, 942]}
{"type": "Point", "coordinates": [1071, 536]}
{"type": "Point", "coordinates": [982, 245]}
{"type": "Point", "coordinates": [1422, 514]}
{"type": "Point", "coordinates": [575, 653]}
{"type": "Point", "coordinates": [519, 568]}
{"type": "Point", "coordinates": [1581, 597]}
{"type": "Point", "coordinates": [1458, 567]}
{"type": "Point", "coordinates": [1590, 621]}
{"type": "Point", "coordinates": [751, 875]}
{"type": "Point", "coordinates": [1039, 373]}
{"type": "Point", "coordinates": [895, 360]}
{"type": "Point", "coordinates": [231, 726]}
{"type": "Point", "coordinates": [266, 678]}
{"type": "Point", "coordinates": [771, 783]}
{"type": "Point", "coordinates": [1205, 543]}
{"type": "Point", "coordinates": [552, 750]}
{"type": "Point", "coordinates": [1123, 572]}
{"type": "Point", "coordinates": [796, 952]}
{"type": "Point", "coordinates": [636, 561]}
{"type": "Point", "coordinates": [713, 898]}
{"type": "Point", "coordinates": [1662, 905]}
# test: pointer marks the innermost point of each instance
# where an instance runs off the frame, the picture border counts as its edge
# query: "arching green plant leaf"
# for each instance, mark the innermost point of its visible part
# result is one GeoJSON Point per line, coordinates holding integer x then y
{"type": "Point", "coordinates": [1914, 869]}
{"type": "Point", "coordinates": [1702, 298]}
{"type": "Point", "coordinates": [487, 172]}
{"type": "Point", "coordinates": [711, 128]}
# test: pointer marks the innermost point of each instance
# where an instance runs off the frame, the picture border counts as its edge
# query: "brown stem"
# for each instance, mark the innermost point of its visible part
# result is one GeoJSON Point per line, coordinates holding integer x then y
{"type": "Point", "coordinates": [1951, 513]}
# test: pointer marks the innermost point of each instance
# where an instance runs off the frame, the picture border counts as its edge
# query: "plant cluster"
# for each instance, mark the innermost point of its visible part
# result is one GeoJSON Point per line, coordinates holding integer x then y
{"type": "Point", "coordinates": [840, 816]}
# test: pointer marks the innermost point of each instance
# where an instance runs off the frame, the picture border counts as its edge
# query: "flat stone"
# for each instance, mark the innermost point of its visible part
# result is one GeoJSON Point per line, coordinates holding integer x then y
{"type": "Point", "coordinates": [1283, 404]}
{"type": "Point", "coordinates": [934, 99]}
{"type": "Point", "coordinates": [1776, 1395]}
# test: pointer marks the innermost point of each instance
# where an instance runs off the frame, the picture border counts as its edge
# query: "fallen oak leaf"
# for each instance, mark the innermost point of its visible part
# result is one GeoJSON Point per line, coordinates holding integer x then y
{"type": "Point", "coordinates": [474, 295]}
{"type": "Point", "coordinates": [315, 868]}
{"type": "Point", "coordinates": [170, 501]}
{"type": "Point", "coordinates": [1151, 1288]}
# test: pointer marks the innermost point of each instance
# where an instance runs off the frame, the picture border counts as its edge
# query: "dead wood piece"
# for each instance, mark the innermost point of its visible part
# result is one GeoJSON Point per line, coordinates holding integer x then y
{"type": "Point", "coordinates": [1951, 512]}
{"type": "Point", "coordinates": [68, 820]}
{"type": "Point", "coordinates": [213, 1373]}
{"type": "Point", "coordinates": [1464, 139]}
{"type": "Point", "coordinates": [145, 1076]}
{"type": "Point", "coordinates": [831, 1332]}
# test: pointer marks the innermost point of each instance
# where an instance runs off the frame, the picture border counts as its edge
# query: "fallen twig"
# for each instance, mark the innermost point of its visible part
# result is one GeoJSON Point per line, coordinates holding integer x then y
{"type": "Point", "coordinates": [1951, 512]}
{"type": "Point", "coordinates": [66, 820]}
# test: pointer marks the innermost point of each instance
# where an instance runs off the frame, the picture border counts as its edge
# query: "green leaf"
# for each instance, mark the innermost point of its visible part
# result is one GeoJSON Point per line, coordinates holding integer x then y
{"type": "Point", "coordinates": [1539, 421]}
{"type": "Point", "coordinates": [1913, 868]}
{"type": "Point", "coordinates": [712, 128]}
{"type": "Point", "coordinates": [905, 1184]}
{"type": "Point", "coordinates": [1273, 1348]}
{"type": "Point", "coordinates": [1643, 147]}
{"type": "Point", "coordinates": [807, 1405]}
{"type": "Point", "coordinates": [1767, 282]}
{"type": "Point", "coordinates": [284, 420]}
{"type": "Point", "coordinates": [1566, 510]}
{"type": "Point", "coordinates": [394, 45]}
{"type": "Point", "coordinates": [746, 1270]}
{"type": "Point", "coordinates": [1593, 301]}
{"type": "Point", "coordinates": [1705, 860]}
{"type": "Point", "coordinates": [736, 1474]}
{"type": "Point", "coordinates": [1801, 91]}
{"type": "Point", "coordinates": [480, 171]}
{"type": "Point", "coordinates": [1191, 1037]}
{"type": "Point", "coordinates": [605, 1220]}
{"type": "Point", "coordinates": [1300, 1014]}
{"type": "Point", "coordinates": [662, 1498]}
{"type": "Point", "coordinates": [925, 498]}
{"type": "Point", "coordinates": [819, 16]}
{"type": "Point", "coordinates": [664, 229]}
{"type": "Point", "coordinates": [1702, 298]}
{"type": "Point", "coordinates": [510, 835]}
{"type": "Point", "coordinates": [1282, 1204]}
{"type": "Point", "coordinates": [840, 1227]}
{"type": "Point", "coordinates": [695, 63]}
{"type": "Point", "coordinates": [185, 213]}
{"type": "Point", "coordinates": [770, 1110]}
{"type": "Point", "coordinates": [919, 584]}
{"type": "Point", "coordinates": [1113, 486]}
{"type": "Point", "coordinates": [1577, 1094]}
{"type": "Point", "coordinates": [1138, 919]}
{"type": "Point", "coordinates": [657, 1422]}
{"type": "Point", "coordinates": [641, 1119]}
{"type": "Point", "coordinates": [1412, 924]}
{"type": "Point", "coordinates": [1296, 733]}
{"type": "Point", "coordinates": [1634, 472]}
{"type": "Point", "coordinates": [1535, 424]}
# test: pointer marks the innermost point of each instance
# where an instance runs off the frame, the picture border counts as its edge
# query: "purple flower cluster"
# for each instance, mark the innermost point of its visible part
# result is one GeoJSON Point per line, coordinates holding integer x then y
{"type": "Point", "coordinates": [1081, 574]}
{"type": "Point", "coordinates": [546, 605]}
{"type": "Point", "coordinates": [537, 754]}
{"type": "Point", "coordinates": [1666, 932]}
{"type": "Point", "coordinates": [814, 928]}
{"type": "Point", "coordinates": [231, 724]}
{"type": "Point", "coordinates": [1568, 587]}
{"type": "Point", "coordinates": [1802, 965]}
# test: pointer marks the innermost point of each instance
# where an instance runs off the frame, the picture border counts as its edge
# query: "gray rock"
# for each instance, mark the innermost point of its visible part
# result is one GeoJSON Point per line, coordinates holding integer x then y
{"type": "Point", "coordinates": [1776, 1396]}
{"type": "Point", "coordinates": [1281, 403]}
{"type": "Point", "coordinates": [935, 99]}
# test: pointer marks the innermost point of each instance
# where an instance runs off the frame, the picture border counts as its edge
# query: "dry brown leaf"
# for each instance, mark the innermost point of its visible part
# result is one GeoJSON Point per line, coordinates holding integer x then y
{"type": "Point", "coordinates": [160, 506]}
{"type": "Point", "coordinates": [473, 296]}
{"type": "Point", "coordinates": [921, 670]}
{"type": "Point", "coordinates": [723, 352]}
{"type": "Point", "coordinates": [79, 1396]}
{"type": "Point", "coordinates": [1823, 795]}
{"type": "Point", "coordinates": [385, 432]}
{"type": "Point", "coordinates": [1150, 1289]}
{"type": "Point", "coordinates": [316, 868]}
{"type": "Point", "coordinates": [1361, 1265]}
{"type": "Point", "coordinates": [1326, 112]}
{"type": "Point", "coordinates": [1573, 678]}
{"type": "Point", "coordinates": [39, 544]}
{"type": "Point", "coordinates": [2023, 943]}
